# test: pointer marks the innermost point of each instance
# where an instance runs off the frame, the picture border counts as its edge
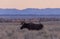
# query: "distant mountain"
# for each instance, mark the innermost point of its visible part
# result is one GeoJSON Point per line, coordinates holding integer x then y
{"type": "Point", "coordinates": [31, 11]}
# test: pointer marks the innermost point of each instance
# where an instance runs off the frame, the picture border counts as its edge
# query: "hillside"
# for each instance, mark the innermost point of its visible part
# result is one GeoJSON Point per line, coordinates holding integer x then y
{"type": "Point", "coordinates": [31, 11]}
{"type": "Point", "coordinates": [48, 14]}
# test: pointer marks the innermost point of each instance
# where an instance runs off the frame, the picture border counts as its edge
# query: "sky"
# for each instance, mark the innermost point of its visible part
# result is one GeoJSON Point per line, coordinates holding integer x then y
{"type": "Point", "coordinates": [22, 4]}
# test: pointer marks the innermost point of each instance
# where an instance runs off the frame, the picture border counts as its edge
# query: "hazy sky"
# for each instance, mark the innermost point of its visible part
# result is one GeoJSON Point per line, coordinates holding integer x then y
{"type": "Point", "coordinates": [21, 4]}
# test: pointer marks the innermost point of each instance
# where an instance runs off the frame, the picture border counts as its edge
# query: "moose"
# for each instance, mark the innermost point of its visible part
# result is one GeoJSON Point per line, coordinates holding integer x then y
{"type": "Point", "coordinates": [31, 26]}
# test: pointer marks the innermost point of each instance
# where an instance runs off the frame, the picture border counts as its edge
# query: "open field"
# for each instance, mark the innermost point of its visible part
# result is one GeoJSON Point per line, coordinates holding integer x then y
{"type": "Point", "coordinates": [12, 31]}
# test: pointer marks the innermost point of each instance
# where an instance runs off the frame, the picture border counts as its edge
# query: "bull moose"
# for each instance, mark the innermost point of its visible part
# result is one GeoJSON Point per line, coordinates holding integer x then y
{"type": "Point", "coordinates": [31, 26]}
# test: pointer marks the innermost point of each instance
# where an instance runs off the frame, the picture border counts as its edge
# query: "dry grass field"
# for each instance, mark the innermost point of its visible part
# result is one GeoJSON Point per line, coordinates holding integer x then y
{"type": "Point", "coordinates": [51, 30]}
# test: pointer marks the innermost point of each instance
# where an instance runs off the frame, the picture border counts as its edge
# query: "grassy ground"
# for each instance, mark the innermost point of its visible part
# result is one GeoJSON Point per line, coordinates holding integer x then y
{"type": "Point", "coordinates": [12, 31]}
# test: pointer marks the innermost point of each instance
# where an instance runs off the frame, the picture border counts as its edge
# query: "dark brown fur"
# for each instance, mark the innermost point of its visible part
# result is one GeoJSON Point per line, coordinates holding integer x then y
{"type": "Point", "coordinates": [32, 26]}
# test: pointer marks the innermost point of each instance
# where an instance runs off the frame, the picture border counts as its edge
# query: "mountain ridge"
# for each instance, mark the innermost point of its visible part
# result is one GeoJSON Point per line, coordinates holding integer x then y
{"type": "Point", "coordinates": [33, 11]}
